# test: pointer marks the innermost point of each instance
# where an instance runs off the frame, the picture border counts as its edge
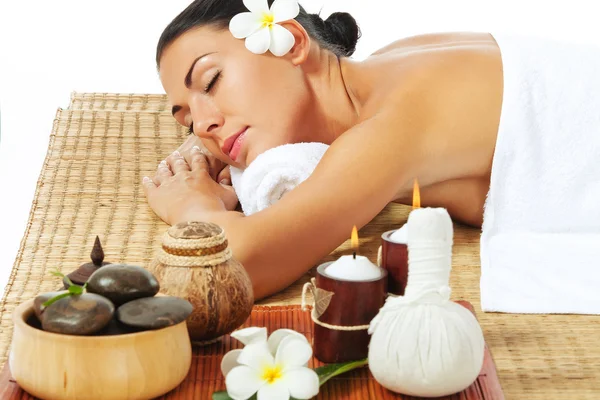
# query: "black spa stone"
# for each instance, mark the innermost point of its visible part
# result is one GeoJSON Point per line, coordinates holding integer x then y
{"type": "Point", "coordinates": [154, 312]}
{"type": "Point", "coordinates": [114, 327]}
{"type": "Point", "coordinates": [83, 314]}
{"type": "Point", "coordinates": [41, 299]}
{"type": "Point", "coordinates": [121, 283]}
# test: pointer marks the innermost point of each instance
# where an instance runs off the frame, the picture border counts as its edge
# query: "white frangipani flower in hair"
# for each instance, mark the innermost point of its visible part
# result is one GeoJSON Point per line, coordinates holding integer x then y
{"type": "Point", "coordinates": [260, 26]}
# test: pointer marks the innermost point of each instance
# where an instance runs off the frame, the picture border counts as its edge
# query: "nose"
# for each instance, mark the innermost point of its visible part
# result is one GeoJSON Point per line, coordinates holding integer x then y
{"type": "Point", "coordinates": [208, 120]}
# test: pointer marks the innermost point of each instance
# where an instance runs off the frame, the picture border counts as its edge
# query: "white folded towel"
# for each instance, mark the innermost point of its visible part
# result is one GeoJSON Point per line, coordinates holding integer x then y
{"type": "Point", "coordinates": [274, 173]}
{"type": "Point", "coordinates": [540, 243]}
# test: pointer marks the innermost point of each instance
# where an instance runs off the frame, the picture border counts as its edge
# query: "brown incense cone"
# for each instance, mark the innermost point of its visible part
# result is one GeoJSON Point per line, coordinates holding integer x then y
{"type": "Point", "coordinates": [81, 274]}
{"type": "Point", "coordinates": [352, 304]}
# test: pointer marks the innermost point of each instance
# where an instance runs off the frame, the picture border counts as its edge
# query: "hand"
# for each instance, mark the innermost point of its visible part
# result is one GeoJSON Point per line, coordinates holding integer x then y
{"type": "Point", "coordinates": [218, 169]}
{"type": "Point", "coordinates": [182, 191]}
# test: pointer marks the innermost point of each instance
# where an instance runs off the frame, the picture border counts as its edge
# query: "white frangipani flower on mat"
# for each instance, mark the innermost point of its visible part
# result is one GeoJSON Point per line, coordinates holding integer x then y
{"type": "Point", "coordinates": [260, 26]}
{"type": "Point", "coordinates": [276, 367]}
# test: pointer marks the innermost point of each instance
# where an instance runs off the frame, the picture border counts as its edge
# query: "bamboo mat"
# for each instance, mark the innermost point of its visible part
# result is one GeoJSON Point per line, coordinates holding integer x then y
{"type": "Point", "coordinates": [119, 102]}
{"type": "Point", "coordinates": [90, 185]}
{"type": "Point", "coordinates": [205, 375]}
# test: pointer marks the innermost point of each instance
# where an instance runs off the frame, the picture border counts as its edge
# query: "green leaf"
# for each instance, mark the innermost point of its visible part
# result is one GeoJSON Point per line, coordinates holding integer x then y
{"type": "Point", "coordinates": [66, 278]}
{"type": "Point", "coordinates": [220, 396]}
{"type": "Point", "coordinates": [57, 273]}
{"type": "Point", "coordinates": [325, 373]}
{"type": "Point", "coordinates": [56, 298]}
{"type": "Point", "coordinates": [75, 289]}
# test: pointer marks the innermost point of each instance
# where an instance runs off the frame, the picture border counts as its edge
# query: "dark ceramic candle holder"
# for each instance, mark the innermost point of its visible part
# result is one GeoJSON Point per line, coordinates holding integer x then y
{"type": "Point", "coordinates": [394, 259]}
{"type": "Point", "coordinates": [351, 304]}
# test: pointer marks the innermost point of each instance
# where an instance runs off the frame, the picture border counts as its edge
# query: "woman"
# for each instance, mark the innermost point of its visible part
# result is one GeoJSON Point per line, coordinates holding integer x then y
{"type": "Point", "coordinates": [426, 107]}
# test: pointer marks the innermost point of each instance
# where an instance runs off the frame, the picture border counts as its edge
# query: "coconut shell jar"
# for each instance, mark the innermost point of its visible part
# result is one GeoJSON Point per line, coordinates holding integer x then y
{"type": "Point", "coordinates": [196, 263]}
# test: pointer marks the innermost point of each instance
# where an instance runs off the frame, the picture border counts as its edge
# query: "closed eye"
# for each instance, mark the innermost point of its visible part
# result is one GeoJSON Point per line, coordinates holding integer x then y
{"type": "Point", "coordinates": [190, 130]}
{"type": "Point", "coordinates": [212, 82]}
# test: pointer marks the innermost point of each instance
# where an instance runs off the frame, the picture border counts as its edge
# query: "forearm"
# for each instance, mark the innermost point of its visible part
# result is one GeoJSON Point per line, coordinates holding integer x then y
{"type": "Point", "coordinates": [257, 245]}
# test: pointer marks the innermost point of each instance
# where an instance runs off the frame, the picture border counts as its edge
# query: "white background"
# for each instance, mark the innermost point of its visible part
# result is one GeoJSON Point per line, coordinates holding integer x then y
{"type": "Point", "coordinates": [50, 48]}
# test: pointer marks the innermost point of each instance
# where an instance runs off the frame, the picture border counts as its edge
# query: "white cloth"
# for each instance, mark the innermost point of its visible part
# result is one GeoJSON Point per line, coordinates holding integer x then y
{"type": "Point", "coordinates": [274, 173]}
{"type": "Point", "coordinates": [540, 243]}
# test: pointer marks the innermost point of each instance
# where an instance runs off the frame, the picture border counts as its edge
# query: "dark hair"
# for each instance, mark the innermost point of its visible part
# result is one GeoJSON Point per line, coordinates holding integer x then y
{"type": "Point", "coordinates": [338, 33]}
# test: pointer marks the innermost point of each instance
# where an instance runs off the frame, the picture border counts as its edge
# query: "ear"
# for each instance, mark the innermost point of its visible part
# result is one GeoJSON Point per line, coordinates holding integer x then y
{"type": "Point", "coordinates": [299, 52]}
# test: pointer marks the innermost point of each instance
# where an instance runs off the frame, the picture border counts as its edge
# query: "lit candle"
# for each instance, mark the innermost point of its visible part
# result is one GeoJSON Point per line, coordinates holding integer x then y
{"type": "Point", "coordinates": [393, 253]}
{"type": "Point", "coordinates": [348, 293]}
{"type": "Point", "coordinates": [430, 247]}
{"type": "Point", "coordinates": [400, 236]}
{"type": "Point", "coordinates": [353, 267]}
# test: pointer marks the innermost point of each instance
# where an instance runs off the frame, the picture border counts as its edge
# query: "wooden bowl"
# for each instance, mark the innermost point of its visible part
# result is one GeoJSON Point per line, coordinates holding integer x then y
{"type": "Point", "coordinates": [140, 365]}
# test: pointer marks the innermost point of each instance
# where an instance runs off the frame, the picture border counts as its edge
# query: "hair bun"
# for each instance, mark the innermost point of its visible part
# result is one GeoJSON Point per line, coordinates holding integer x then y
{"type": "Point", "coordinates": [343, 32]}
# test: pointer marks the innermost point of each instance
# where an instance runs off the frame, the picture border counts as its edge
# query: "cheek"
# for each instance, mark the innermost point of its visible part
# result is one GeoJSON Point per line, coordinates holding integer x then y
{"type": "Point", "coordinates": [244, 91]}
{"type": "Point", "coordinates": [268, 95]}
{"type": "Point", "coordinates": [262, 91]}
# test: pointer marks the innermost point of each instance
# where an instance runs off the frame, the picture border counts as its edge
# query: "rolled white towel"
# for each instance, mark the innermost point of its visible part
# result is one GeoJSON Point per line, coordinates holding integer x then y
{"type": "Point", "coordinates": [274, 173]}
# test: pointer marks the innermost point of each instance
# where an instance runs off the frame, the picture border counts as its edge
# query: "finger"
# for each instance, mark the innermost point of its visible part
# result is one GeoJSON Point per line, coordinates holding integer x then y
{"type": "Point", "coordinates": [186, 147]}
{"type": "Point", "coordinates": [148, 185]}
{"type": "Point", "coordinates": [214, 164]}
{"type": "Point", "coordinates": [229, 197]}
{"type": "Point", "coordinates": [212, 161]}
{"type": "Point", "coordinates": [177, 163]}
{"type": "Point", "coordinates": [224, 176]}
{"type": "Point", "coordinates": [163, 173]}
{"type": "Point", "coordinates": [155, 178]}
{"type": "Point", "coordinates": [188, 155]}
{"type": "Point", "coordinates": [199, 161]}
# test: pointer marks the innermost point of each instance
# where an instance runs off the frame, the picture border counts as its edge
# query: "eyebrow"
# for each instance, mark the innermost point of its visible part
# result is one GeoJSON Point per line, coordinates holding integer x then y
{"type": "Point", "coordinates": [188, 79]}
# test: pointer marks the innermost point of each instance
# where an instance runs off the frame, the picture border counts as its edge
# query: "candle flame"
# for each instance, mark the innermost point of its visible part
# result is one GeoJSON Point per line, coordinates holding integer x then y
{"type": "Point", "coordinates": [354, 238]}
{"type": "Point", "coordinates": [416, 195]}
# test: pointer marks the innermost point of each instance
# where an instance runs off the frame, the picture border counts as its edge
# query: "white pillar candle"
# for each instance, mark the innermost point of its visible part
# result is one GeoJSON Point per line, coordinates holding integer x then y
{"type": "Point", "coordinates": [429, 249]}
{"type": "Point", "coordinates": [400, 235]}
{"type": "Point", "coordinates": [353, 269]}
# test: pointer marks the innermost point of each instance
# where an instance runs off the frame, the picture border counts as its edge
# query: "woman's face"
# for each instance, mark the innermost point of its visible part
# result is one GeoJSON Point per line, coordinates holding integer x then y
{"type": "Point", "coordinates": [239, 103]}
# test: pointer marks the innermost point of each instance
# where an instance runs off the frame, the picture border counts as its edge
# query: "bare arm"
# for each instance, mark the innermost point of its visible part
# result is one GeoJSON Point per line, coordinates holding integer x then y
{"type": "Point", "coordinates": [358, 176]}
{"type": "Point", "coordinates": [463, 198]}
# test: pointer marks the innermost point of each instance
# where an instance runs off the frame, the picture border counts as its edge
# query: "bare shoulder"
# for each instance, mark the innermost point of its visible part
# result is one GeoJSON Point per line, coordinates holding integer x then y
{"type": "Point", "coordinates": [418, 64]}
{"type": "Point", "coordinates": [436, 40]}
{"type": "Point", "coordinates": [450, 86]}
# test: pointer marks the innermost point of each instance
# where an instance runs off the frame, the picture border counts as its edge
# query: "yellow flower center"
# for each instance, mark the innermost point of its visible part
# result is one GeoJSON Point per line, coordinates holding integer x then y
{"type": "Point", "coordinates": [271, 374]}
{"type": "Point", "coordinates": [267, 20]}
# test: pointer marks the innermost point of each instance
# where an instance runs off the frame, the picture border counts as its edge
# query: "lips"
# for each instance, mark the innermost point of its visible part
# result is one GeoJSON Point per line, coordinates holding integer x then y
{"type": "Point", "coordinates": [232, 145]}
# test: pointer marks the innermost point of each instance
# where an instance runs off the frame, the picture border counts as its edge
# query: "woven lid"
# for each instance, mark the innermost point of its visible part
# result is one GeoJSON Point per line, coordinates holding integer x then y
{"type": "Point", "coordinates": [205, 242]}
{"type": "Point", "coordinates": [195, 230]}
